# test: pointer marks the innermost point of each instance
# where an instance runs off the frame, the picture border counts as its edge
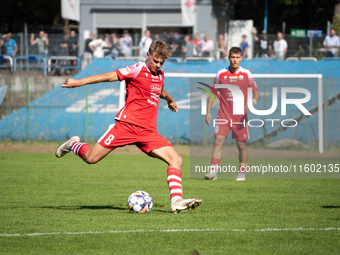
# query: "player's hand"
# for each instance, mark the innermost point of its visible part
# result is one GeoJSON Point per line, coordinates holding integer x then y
{"type": "Point", "coordinates": [208, 118]}
{"type": "Point", "coordinates": [71, 83]}
{"type": "Point", "coordinates": [172, 106]}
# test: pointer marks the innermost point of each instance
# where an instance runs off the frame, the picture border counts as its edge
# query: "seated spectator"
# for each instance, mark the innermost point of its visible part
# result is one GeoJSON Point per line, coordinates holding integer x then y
{"type": "Point", "coordinates": [144, 44]}
{"type": "Point", "coordinates": [187, 48]}
{"type": "Point", "coordinates": [97, 46]}
{"type": "Point", "coordinates": [88, 53]}
{"type": "Point", "coordinates": [331, 44]}
{"type": "Point", "coordinates": [206, 47]}
{"type": "Point", "coordinates": [10, 44]}
{"type": "Point", "coordinates": [176, 50]}
{"type": "Point", "coordinates": [222, 46]}
{"type": "Point", "coordinates": [196, 43]}
{"type": "Point", "coordinates": [125, 43]}
{"type": "Point", "coordinates": [42, 42]}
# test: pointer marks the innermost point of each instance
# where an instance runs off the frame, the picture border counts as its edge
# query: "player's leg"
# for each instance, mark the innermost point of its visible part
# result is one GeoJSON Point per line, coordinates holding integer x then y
{"type": "Point", "coordinates": [243, 159]}
{"type": "Point", "coordinates": [216, 157]}
{"type": "Point", "coordinates": [174, 179]}
{"type": "Point", "coordinates": [220, 132]}
{"type": "Point", "coordinates": [83, 150]}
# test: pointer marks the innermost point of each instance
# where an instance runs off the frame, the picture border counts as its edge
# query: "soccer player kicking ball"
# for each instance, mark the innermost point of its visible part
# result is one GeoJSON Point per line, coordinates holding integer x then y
{"type": "Point", "coordinates": [242, 78]}
{"type": "Point", "coordinates": [136, 121]}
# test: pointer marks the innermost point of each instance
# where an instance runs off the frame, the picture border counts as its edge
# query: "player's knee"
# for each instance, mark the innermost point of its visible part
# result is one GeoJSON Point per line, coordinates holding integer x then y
{"type": "Point", "coordinates": [241, 145]}
{"type": "Point", "coordinates": [219, 143]}
{"type": "Point", "coordinates": [90, 160]}
{"type": "Point", "coordinates": [176, 161]}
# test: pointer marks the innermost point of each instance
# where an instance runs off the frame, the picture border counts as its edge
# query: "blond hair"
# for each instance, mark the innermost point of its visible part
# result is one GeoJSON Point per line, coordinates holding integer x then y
{"type": "Point", "coordinates": [160, 49]}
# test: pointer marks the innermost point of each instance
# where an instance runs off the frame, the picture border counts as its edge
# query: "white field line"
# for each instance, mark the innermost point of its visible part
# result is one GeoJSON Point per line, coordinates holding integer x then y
{"type": "Point", "coordinates": [171, 230]}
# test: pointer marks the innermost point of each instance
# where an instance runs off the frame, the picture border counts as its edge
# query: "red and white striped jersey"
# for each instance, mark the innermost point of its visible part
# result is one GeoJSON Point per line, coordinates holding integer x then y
{"type": "Point", "coordinates": [243, 79]}
{"type": "Point", "coordinates": [143, 90]}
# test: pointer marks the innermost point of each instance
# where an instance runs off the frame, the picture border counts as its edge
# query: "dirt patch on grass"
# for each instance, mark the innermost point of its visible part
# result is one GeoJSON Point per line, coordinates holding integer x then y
{"type": "Point", "coordinates": [229, 151]}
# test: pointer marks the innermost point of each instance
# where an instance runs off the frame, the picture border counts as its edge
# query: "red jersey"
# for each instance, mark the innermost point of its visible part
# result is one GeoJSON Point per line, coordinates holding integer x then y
{"type": "Point", "coordinates": [143, 90]}
{"type": "Point", "coordinates": [243, 79]}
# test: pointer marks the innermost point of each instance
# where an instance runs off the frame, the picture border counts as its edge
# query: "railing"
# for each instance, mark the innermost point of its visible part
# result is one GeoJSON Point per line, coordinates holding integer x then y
{"type": "Point", "coordinates": [10, 62]}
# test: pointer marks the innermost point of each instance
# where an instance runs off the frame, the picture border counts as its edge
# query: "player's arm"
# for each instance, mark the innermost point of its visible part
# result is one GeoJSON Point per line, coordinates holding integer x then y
{"type": "Point", "coordinates": [209, 105]}
{"type": "Point", "coordinates": [106, 77]}
{"type": "Point", "coordinates": [33, 42]}
{"type": "Point", "coordinates": [256, 96]}
{"type": "Point", "coordinates": [171, 102]}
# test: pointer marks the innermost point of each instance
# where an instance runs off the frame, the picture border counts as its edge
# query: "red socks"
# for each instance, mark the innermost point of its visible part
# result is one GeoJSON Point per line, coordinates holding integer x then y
{"type": "Point", "coordinates": [175, 184]}
{"type": "Point", "coordinates": [80, 149]}
{"type": "Point", "coordinates": [214, 164]}
{"type": "Point", "coordinates": [243, 168]}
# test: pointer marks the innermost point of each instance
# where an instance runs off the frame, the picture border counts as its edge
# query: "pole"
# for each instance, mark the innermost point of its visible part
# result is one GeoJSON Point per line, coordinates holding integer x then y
{"type": "Point", "coordinates": [26, 37]}
{"type": "Point", "coordinates": [320, 113]}
{"type": "Point", "coordinates": [310, 44]}
{"type": "Point", "coordinates": [265, 26]}
{"type": "Point", "coordinates": [328, 27]}
{"type": "Point", "coordinates": [86, 113]}
{"type": "Point", "coordinates": [283, 27]}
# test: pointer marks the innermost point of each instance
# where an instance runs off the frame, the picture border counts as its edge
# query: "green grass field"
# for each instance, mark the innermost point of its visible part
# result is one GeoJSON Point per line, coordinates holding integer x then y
{"type": "Point", "coordinates": [70, 207]}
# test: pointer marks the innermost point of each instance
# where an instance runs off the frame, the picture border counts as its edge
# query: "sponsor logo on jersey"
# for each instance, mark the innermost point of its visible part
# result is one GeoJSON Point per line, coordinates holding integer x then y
{"type": "Point", "coordinates": [126, 70]}
{"type": "Point", "coordinates": [233, 78]}
{"type": "Point", "coordinates": [241, 77]}
{"type": "Point", "coordinates": [156, 88]}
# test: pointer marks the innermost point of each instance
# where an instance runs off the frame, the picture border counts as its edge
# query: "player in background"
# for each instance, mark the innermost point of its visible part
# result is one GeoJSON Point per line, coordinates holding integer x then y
{"type": "Point", "coordinates": [136, 121]}
{"type": "Point", "coordinates": [242, 78]}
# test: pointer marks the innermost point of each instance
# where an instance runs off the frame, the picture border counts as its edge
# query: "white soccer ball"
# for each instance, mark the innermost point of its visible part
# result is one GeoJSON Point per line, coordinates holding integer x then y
{"type": "Point", "coordinates": [140, 202]}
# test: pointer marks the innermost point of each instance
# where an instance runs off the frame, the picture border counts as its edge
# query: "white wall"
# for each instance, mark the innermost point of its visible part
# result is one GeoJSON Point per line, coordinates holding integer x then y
{"type": "Point", "coordinates": [236, 29]}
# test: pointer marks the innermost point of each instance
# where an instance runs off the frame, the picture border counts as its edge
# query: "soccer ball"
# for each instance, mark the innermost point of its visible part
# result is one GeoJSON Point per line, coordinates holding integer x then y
{"type": "Point", "coordinates": [140, 202]}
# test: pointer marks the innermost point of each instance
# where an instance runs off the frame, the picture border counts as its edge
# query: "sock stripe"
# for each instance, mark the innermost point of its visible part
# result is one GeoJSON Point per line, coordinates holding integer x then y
{"type": "Point", "coordinates": [75, 147]}
{"type": "Point", "coordinates": [175, 184]}
{"type": "Point", "coordinates": [178, 178]}
{"type": "Point", "coordinates": [171, 184]}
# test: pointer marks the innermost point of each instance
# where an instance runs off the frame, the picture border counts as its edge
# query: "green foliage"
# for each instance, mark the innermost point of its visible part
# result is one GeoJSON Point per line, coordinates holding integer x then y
{"type": "Point", "coordinates": [336, 24]}
{"type": "Point", "coordinates": [43, 194]}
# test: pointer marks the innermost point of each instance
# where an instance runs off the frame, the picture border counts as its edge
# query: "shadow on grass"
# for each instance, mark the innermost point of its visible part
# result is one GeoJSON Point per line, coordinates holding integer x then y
{"type": "Point", "coordinates": [96, 207]}
{"type": "Point", "coordinates": [331, 206]}
{"type": "Point", "coordinates": [85, 207]}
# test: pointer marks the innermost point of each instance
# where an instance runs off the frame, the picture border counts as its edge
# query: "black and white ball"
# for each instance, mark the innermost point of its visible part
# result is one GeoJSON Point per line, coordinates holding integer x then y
{"type": "Point", "coordinates": [140, 202]}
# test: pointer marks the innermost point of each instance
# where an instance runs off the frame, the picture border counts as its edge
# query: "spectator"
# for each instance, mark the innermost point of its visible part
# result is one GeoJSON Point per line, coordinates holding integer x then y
{"type": "Point", "coordinates": [176, 50]}
{"type": "Point", "coordinates": [144, 44]}
{"type": "Point", "coordinates": [88, 53]}
{"type": "Point", "coordinates": [164, 36]}
{"type": "Point", "coordinates": [42, 42]}
{"type": "Point", "coordinates": [206, 47]}
{"type": "Point", "coordinates": [125, 43]}
{"type": "Point", "coordinates": [244, 46]}
{"type": "Point", "coordinates": [222, 46]}
{"type": "Point", "coordinates": [114, 41]}
{"type": "Point", "coordinates": [187, 48]}
{"type": "Point", "coordinates": [280, 47]}
{"type": "Point", "coordinates": [107, 49]}
{"type": "Point", "coordinates": [264, 45]}
{"type": "Point", "coordinates": [196, 43]}
{"type": "Point", "coordinates": [10, 44]}
{"type": "Point", "coordinates": [97, 46]}
{"type": "Point", "coordinates": [331, 44]}
{"type": "Point", "coordinates": [71, 44]}
{"type": "Point", "coordinates": [170, 40]}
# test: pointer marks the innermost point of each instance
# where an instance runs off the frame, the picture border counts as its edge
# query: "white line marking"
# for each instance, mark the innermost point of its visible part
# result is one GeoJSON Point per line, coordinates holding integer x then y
{"type": "Point", "coordinates": [172, 230]}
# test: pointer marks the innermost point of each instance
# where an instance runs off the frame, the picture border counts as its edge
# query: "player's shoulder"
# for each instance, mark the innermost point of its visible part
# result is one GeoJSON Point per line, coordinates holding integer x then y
{"type": "Point", "coordinates": [222, 71]}
{"type": "Point", "coordinates": [243, 71]}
